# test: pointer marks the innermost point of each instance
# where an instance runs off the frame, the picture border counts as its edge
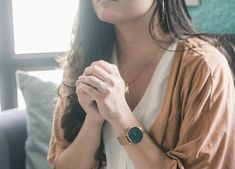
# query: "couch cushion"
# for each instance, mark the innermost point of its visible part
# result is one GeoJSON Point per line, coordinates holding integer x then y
{"type": "Point", "coordinates": [40, 98]}
{"type": "Point", "coordinates": [12, 139]}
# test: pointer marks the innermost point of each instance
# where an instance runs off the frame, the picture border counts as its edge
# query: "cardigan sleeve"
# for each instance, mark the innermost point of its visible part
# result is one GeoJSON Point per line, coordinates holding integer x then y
{"type": "Point", "coordinates": [57, 142]}
{"type": "Point", "coordinates": [206, 134]}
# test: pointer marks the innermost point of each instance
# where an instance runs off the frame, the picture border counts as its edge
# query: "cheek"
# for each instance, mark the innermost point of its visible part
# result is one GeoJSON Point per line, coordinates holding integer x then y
{"type": "Point", "coordinates": [123, 10]}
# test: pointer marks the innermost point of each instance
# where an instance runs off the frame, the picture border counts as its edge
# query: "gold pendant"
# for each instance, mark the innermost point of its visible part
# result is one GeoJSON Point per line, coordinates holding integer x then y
{"type": "Point", "coordinates": [127, 89]}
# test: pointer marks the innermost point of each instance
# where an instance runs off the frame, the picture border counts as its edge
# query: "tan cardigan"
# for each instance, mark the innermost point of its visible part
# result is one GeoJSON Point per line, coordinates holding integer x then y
{"type": "Point", "coordinates": [196, 125]}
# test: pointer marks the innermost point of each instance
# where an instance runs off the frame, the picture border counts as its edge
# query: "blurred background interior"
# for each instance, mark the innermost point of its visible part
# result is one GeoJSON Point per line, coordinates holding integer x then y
{"type": "Point", "coordinates": [32, 34]}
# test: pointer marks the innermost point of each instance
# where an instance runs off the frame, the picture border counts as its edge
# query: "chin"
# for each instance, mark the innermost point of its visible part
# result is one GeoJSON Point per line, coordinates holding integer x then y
{"type": "Point", "coordinates": [109, 17]}
{"type": "Point", "coordinates": [103, 16]}
{"type": "Point", "coordinates": [115, 18]}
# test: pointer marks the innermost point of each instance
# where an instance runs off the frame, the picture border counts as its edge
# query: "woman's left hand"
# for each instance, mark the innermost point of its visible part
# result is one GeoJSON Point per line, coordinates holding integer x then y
{"type": "Point", "coordinates": [104, 84]}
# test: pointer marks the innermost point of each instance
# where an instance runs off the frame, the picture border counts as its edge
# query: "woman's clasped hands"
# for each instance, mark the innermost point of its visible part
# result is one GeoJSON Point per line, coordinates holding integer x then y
{"type": "Point", "coordinates": [101, 92]}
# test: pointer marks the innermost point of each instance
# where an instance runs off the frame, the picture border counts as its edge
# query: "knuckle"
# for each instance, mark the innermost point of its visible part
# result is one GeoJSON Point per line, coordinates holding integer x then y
{"type": "Point", "coordinates": [108, 91]}
{"type": "Point", "coordinates": [114, 66]}
{"type": "Point", "coordinates": [100, 61]}
{"type": "Point", "coordinates": [86, 69]}
{"type": "Point", "coordinates": [94, 67]}
{"type": "Point", "coordinates": [112, 82]}
{"type": "Point", "coordinates": [91, 78]}
{"type": "Point", "coordinates": [95, 62]}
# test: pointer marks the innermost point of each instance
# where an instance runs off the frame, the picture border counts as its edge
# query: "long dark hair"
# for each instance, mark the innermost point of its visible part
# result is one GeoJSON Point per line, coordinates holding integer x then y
{"type": "Point", "coordinates": [94, 40]}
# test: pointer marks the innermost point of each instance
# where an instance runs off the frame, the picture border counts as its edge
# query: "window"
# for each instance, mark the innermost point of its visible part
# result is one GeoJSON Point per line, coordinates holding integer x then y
{"type": "Point", "coordinates": [42, 25]}
{"type": "Point", "coordinates": [32, 33]}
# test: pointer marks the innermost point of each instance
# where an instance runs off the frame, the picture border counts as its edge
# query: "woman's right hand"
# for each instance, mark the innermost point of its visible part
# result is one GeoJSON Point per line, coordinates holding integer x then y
{"type": "Point", "coordinates": [88, 104]}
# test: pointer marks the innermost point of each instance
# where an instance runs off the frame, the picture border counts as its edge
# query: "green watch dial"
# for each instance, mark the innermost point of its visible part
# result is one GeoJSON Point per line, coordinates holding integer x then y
{"type": "Point", "coordinates": [135, 135]}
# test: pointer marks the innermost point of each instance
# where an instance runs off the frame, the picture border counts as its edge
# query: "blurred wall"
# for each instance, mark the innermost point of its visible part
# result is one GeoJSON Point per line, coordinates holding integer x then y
{"type": "Point", "coordinates": [214, 16]}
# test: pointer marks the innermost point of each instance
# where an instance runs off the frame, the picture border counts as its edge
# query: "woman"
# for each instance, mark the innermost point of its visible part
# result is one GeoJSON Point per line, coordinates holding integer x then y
{"type": "Point", "coordinates": [142, 89]}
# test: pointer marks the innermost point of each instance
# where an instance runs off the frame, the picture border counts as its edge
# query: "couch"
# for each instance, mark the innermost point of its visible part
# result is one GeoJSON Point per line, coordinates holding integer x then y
{"type": "Point", "coordinates": [12, 139]}
{"type": "Point", "coordinates": [25, 134]}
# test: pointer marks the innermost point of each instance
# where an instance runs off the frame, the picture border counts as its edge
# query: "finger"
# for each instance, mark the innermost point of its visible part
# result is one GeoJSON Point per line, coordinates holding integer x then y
{"type": "Point", "coordinates": [93, 81]}
{"type": "Point", "coordinates": [111, 68]}
{"type": "Point", "coordinates": [82, 93]}
{"type": "Point", "coordinates": [91, 91]}
{"type": "Point", "coordinates": [100, 73]}
{"type": "Point", "coordinates": [104, 65]}
{"type": "Point", "coordinates": [84, 98]}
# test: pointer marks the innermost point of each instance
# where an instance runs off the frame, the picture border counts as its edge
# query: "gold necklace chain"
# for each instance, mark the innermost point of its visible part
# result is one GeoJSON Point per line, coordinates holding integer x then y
{"type": "Point", "coordinates": [128, 84]}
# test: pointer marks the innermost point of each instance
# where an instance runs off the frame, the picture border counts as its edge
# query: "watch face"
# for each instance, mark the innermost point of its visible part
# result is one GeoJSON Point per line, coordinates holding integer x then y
{"type": "Point", "coordinates": [135, 135]}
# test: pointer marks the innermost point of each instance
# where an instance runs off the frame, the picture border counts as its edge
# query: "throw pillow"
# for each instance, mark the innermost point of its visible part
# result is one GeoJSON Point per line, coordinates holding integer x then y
{"type": "Point", "coordinates": [40, 98]}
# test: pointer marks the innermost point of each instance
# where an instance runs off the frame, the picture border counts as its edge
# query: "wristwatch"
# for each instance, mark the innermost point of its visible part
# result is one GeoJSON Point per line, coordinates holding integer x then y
{"type": "Point", "coordinates": [133, 135]}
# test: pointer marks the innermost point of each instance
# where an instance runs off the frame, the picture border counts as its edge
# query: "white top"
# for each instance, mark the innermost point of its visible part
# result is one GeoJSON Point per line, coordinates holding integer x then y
{"type": "Point", "coordinates": [146, 112]}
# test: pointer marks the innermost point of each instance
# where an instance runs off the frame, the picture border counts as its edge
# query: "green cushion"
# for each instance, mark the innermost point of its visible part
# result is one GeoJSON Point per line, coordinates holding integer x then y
{"type": "Point", "coordinates": [40, 98]}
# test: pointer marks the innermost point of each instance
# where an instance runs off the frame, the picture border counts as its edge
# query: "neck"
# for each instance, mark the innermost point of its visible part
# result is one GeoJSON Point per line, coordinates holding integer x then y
{"type": "Point", "coordinates": [134, 42]}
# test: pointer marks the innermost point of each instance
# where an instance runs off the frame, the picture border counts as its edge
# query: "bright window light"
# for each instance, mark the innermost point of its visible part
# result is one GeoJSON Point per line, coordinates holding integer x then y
{"type": "Point", "coordinates": [43, 25]}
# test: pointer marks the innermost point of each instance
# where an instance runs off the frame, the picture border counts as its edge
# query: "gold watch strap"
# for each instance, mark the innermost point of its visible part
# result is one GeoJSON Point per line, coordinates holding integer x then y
{"type": "Point", "coordinates": [123, 140]}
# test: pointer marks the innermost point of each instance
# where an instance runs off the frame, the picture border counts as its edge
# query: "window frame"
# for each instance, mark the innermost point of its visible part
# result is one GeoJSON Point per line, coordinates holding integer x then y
{"type": "Point", "coordinates": [10, 62]}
